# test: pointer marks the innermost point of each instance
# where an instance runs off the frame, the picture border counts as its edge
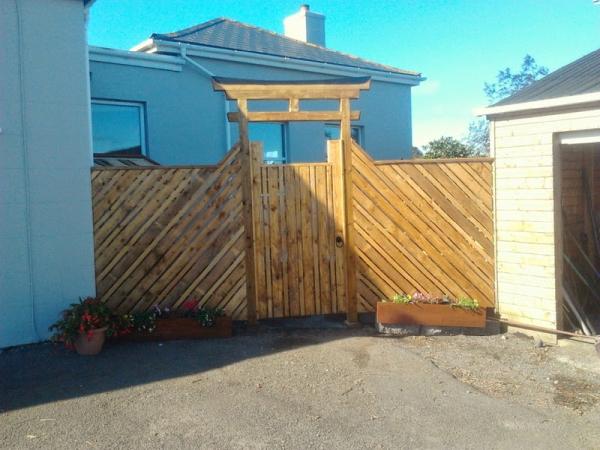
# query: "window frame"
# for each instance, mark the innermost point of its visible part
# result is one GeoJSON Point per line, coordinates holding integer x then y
{"type": "Point", "coordinates": [360, 128]}
{"type": "Point", "coordinates": [284, 144]}
{"type": "Point", "coordinates": [142, 115]}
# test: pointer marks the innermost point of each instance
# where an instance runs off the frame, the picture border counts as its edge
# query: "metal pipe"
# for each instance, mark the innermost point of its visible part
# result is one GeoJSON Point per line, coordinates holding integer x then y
{"type": "Point", "coordinates": [205, 71]}
{"type": "Point", "coordinates": [541, 329]}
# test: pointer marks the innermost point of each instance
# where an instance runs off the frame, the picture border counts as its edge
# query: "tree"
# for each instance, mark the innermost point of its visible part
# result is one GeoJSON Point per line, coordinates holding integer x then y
{"type": "Point", "coordinates": [478, 137]}
{"type": "Point", "coordinates": [447, 147]}
{"type": "Point", "coordinates": [507, 83]}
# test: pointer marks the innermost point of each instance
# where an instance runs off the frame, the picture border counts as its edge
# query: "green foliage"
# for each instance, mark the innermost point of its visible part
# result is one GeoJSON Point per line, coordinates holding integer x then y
{"type": "Point", "coordinates": [467, 303]}
{"type": "Point", "coordinates": [81, 318]}
{"type": "Point", "coordinates": [422, 297]}
{"type": "Point", "coordinates": [448, 147]}
{"type": "Point", "coordinates": [507, 82]}
{"type": "Point", "coordinates": [401, 299]}
{"type": "Point", "coordinates": [143, 322]}
{"type": "Point", "coordinates": [207, 316]}
{"type": "Point", "coordinates": [478, 137]}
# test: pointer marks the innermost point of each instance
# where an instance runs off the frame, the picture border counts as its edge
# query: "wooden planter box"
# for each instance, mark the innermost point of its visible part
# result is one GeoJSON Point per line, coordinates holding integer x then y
{"type": "Point", "coordinates": [184, 328]}
{"type": "Point", "coordinates": [429, 315]}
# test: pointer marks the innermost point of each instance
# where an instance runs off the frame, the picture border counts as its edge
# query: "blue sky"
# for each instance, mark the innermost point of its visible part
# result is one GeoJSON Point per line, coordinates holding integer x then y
{"type": "Point", "coordinates": [457, 44]}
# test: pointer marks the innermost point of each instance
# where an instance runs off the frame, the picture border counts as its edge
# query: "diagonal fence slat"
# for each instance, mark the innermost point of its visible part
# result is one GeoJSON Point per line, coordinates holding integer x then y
{"type": "Point", "coordinates": [164, 235]}
{"type": "Point", "coordinates": [423, 226]}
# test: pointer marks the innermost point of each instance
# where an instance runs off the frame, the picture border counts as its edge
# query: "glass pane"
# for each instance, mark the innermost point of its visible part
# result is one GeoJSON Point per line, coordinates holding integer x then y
{"type": "Point", "coordinates": [272, 137]}
{"type": "Point", "coordinates": [116, 128]}
{"type": "Point", "coordinates": [356, 134]}
{"type": "Point", "coordinates": [332, 132]}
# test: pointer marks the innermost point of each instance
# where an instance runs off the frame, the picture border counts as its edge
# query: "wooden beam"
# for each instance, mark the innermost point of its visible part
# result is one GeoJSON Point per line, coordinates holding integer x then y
{"type": "Point", "coordinates": [294, 105]}
{"type": "Point", "coordinates": [348, 87]}
{"type": "Point", "coordinates": [247, 168]}
{"type": "Point", "coordinates": [293, 116]}
{"type": "Point", "coordinates": [334, 157]}
{"type": "Point", "coordinates": [276, 93]}
{"type": "Point", "coordinates": [350, 239]}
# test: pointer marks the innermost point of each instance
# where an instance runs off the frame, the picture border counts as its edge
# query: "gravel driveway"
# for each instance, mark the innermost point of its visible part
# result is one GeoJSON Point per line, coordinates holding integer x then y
{"type": "Point", "coordinates": [303, 389]}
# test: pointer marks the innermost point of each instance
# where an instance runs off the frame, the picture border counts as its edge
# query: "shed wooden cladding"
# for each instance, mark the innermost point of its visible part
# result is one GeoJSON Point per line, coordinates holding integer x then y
{"type": "Point", "coordinates": [164, 235]}
{"type": "Point", "coordinates": [423, 226]}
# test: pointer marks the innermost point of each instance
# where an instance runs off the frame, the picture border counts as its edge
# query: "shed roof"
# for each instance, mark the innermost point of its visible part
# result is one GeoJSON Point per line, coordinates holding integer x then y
{"type": "Point", "coordinates": [579, 77]}
{"type": "Point", "coordinates": [232, 35]}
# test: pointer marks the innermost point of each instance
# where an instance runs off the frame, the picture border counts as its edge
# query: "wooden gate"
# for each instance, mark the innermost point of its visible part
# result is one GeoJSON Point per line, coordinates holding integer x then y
{"type": "Point", "coordinates": [297, 273]}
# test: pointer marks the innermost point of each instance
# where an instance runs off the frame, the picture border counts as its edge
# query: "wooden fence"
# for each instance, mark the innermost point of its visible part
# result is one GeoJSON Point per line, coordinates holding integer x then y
{"type": "Point", "coordinates": [423, 226]}
{"type": "Point", "coordinates": [164, 235]}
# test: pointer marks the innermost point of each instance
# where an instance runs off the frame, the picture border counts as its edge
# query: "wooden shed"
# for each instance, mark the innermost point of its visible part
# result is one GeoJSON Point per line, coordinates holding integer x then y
{"type": "Point", "coordinates": [546, 144]}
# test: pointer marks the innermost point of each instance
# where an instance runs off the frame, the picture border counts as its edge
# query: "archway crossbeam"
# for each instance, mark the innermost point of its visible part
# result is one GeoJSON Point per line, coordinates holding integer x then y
{"type": "Point", "coordinates": [292, 92]}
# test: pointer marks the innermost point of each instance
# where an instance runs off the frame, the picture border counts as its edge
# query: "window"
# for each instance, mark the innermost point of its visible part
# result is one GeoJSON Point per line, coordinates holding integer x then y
{"type": "Point", "coordinates": [118, 128]}
{"type": "Point", "coordinates": [273, 137]}
{"type": "Point", "coordinates": [332, 132]}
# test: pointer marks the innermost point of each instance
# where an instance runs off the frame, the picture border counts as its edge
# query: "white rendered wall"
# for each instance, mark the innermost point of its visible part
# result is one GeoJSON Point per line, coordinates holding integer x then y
{"type": "Point", "coordinates": [46, 243]}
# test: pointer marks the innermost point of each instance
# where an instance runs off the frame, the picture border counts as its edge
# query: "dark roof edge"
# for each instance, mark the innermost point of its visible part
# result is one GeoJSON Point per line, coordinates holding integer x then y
{"type": "Point", "coordinates": [343, 80]}
{"type": "Point", "coordinates": [384, 71]}
{"type": "Point", "coordinates": [178, 35]}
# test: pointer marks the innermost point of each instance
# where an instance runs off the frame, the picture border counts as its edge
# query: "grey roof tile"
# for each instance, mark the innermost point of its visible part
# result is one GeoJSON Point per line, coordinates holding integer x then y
{"type": "Point", "coordinates": [230, 34]}
{"type": "Point", "coordinates": [579, 77]}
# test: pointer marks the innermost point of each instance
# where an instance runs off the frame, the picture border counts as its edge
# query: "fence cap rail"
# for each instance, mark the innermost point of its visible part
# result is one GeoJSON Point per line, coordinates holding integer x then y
{"type": "Point", "coordinates": [435, 161]}
{"type": "Point", "coordinates": [157, 167]}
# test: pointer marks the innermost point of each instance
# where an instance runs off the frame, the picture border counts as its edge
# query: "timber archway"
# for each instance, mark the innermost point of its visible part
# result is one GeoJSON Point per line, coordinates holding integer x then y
{"type": "Point", "coordinates": [314, 225]}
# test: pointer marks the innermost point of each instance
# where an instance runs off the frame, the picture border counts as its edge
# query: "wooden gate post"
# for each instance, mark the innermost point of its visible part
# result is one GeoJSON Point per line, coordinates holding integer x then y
{"type": "Point", "coordinates": [247, 169]}
{"type": "Point", "coordinates": [345, 173]}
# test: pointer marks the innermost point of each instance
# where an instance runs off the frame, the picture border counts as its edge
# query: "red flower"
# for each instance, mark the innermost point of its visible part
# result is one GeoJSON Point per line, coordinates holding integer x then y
{"type": "Point", "coordinates": [190, 305]}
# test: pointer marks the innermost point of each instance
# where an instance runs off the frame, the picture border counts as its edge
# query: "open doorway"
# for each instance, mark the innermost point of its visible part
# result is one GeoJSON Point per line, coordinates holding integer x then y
{"type": "Point", "coordinates": [580, 217]}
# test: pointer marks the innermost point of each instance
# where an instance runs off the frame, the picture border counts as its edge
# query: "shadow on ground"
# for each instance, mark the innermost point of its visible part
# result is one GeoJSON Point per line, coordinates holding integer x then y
{"type": "Point", "coordinates": [43, 373]}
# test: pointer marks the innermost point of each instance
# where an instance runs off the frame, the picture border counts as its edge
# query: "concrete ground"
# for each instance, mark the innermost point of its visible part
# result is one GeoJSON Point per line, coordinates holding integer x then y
{"type": "Point", "coordinates": [332, 388]}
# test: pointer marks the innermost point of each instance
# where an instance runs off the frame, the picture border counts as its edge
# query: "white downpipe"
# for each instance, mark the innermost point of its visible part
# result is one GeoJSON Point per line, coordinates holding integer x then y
{"type": "Point", "coordinates": [200, 67]}
{"type": "Point", "coordinates": [26, 174]}
{"type": "Point", "coordinates": [209, 74]}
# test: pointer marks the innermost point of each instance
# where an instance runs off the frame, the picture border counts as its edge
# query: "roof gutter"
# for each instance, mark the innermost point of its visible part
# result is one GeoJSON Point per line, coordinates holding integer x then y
{"type": "Point", "coordinates": [124, 57]}
{"type": "Point", "coordinates": [154, 45]}
{"type": "Point", "coordinates": [571, 100]}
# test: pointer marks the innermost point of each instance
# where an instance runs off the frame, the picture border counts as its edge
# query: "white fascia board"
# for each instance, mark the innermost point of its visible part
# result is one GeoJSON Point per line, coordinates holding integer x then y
{"type": "Point", "coordinates": [571, 100]}
{"type": "Point", "coordinates": [580, 137]}
{"type": "Point", "coordinates": [128, 58]}
{"type": "Point", "coordinates": [152, 45]}
{"type": "Point", "coordinates": [146, 46]}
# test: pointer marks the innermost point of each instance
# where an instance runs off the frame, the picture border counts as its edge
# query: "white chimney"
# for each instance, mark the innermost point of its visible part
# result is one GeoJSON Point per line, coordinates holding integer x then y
{"type": "Point", "coordinates": [306, 26]}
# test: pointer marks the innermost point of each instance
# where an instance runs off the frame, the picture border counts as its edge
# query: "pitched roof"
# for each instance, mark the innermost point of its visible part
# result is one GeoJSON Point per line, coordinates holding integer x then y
{"type": "Point", "coordinates": [233, 35]}
{"type": "Point", "coordinates": [579, 77]}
